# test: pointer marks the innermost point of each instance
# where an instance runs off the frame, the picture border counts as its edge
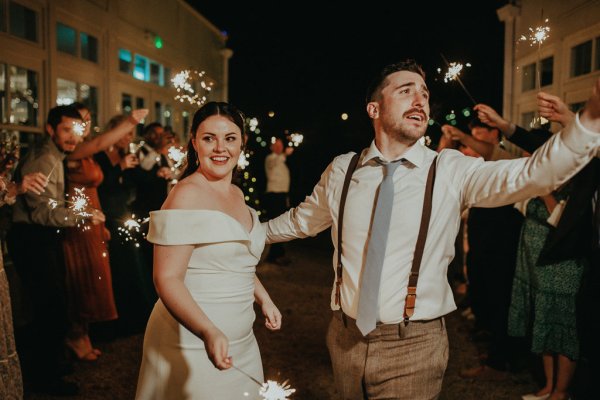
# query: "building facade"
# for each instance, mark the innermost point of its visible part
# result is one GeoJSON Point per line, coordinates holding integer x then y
{"type": "Point", "coordinates": [112, 55]}
{"type": "Point", "coordinates": [566, 64]}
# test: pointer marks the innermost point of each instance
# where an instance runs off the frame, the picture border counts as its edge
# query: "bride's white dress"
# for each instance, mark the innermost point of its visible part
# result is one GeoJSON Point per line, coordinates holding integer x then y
{"type": "Point", "coordinates": [220, 277]}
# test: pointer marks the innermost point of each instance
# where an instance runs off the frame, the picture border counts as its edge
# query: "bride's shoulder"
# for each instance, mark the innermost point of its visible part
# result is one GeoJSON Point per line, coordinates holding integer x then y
{"type": "Point", "coordinates": [187, 194]}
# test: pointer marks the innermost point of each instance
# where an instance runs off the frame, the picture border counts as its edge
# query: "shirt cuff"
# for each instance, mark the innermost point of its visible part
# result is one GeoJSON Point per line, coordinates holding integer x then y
{"type": "Point", "coordinates": [578, 138]}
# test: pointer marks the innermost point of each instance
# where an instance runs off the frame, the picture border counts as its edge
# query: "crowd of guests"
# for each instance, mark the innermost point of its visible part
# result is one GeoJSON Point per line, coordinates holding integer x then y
{"type": "Point", "coordinates": [526, 263]}
{"type": "Point", "coordinates": [74, 265]}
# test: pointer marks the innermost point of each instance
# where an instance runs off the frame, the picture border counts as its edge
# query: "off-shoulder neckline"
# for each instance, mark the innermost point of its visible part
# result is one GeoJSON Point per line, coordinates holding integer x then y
{"type": "Point", "coordinates": [250, 210]}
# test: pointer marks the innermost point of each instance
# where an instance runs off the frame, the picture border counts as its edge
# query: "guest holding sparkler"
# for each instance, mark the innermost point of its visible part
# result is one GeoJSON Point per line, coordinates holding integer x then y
{"type": "Point", "coordinates": [387, 336]}
{"type": "Point", "coordinates": [131, 272]}
{"type": "Point", "coordinates": [41, 269]}
{"type": "Point", "coordinates": [554, 253]}
{"type": "Point", "coordinates": [199, 341]}
{"type": "Point", "coordinates": [89, 281]}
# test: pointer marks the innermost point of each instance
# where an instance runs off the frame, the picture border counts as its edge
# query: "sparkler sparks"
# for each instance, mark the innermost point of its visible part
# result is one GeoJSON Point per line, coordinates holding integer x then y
{"type": "Point", "coordinates": [131, 229]}
{"type": "Point", "coordinates": [184, 83]}
{"type": "Point", "coordinates": [453, 74]}
{"type": "Point", "coordinates": [177, 155]}
{"type": "Point", "coordinates": [272, 390]}
{"type": "Point", "coordinates": [537, 35]}
{"type": "Point", "coordinates": [80, 203]}
{"type": "Point", "coordinates": [52, 203]}
{"type": "Point", "coordinates": [243, 161]}
{"type": "Point", "coordinates": [79, 128]}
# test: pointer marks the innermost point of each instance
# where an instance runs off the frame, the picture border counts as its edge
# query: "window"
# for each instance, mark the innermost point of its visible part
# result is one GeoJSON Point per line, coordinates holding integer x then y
{"type": "Point", "coordinates": [157, 74]}
{"type": "Point", "coordinates": [22, 22]}
{"type": "Point", "coordinates": [68, 92]}
{"type": "Point", "coordinates": [125, 61]}
{"type": "Point", "coordinates": [597, 65]}
{"type": "Point", "coordinates": [140, 68]}
{"type": "Point", "coordinates": [546, 68]}
{"type": "Point", "coordinates": [23, 96]}
{"type": "Point", "coordinates": [126, 103]}
{"type": "Point", "coordinates": [89, 47]}
{"type": "Point", "coordinates": [527, 118]}
{"type": "Point", "coordinates": [67, 42]}
{"type": "Point", "coordinates": [581, 59]}
{"type": "Point", "coordinates": [66, 39]}
{"type": "Point", "coordinates": [158, 116]}
{"type": "Point", "coordinates": [528, 78]}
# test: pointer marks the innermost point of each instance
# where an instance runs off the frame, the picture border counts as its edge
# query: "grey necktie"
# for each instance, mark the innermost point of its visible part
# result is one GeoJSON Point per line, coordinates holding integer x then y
{"type": "Point", "coordinates": [371, 277]}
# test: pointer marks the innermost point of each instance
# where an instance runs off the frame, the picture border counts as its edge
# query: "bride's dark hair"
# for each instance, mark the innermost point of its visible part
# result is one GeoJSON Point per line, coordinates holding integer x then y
{"type": "Point", "coordinates": [221, 108]}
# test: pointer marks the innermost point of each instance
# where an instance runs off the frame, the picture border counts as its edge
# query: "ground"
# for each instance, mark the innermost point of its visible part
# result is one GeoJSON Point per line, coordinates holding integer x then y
{"type": "Point", "coordinates": [296, 353]}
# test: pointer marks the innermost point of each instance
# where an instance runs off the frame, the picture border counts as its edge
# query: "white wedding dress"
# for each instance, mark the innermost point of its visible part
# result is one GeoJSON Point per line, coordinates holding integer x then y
{"type": "Point", "coordinates": [220, 277]}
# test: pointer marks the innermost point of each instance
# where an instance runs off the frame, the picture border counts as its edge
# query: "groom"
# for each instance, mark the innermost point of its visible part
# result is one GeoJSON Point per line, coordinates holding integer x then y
{"type": "Point", "coordinates": [380, 345]}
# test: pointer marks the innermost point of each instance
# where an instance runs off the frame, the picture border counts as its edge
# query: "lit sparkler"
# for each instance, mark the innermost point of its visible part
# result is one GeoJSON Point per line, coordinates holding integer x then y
{"type": "Point", "coordinates": [80, 203]}
{"type": "Point", "coordinates": [243, 161]}
{"type": "Point", "coordinates": [537, 35]}
{"type": "Point", "coordinates": [131, 229]}
{"type": "Point", "coordinates": [183, 83]}
{"type": "Point", "coordinates": [177, 155]}
{"type": "Point", "coordinates": [79, 128]}
{"type": "Point", "coordinates": [453, 74]}
{"type": "Point", "coordinates": [52, 203]}
{"type": "Point", "coordinates": [272, 390]}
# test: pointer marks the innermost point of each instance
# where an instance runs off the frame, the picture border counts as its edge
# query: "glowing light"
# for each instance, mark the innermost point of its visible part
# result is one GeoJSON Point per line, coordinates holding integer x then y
{"type": "Point", "coordinates": [537, 35]}
{"type": "Point", "coordinates": [243, 161]}
{"type": "Point", "coordinates": [272, 390]}
{"type": "Point", "coordinates": [183, 83]}
{"type": "Point", "coordinates": [454, 70]}
{"type": "Point", "coordinates": [271, 114]}
{"type": "Point", "coordinates": [344, 116]}
{"type": "Point", "coordinates": [177, 155]}
{"type": "Point", "coordinates": [296, 139]}
{"type": "Point", "coordinates": [80, 203]}
{"type": "Point", "coordinates": [79, 128]}
{"type": "Point", "coordinates": [130, 230]}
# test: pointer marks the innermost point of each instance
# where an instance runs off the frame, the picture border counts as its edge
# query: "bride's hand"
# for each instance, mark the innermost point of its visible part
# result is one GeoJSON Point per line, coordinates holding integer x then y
{"type": "Point", "coordinates": [217, 347]}
{"type": "Point", "coordinates": [272, 315]}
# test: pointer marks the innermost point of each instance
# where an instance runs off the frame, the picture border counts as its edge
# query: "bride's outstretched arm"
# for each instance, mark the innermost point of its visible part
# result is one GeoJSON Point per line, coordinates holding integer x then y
{"type": "Point", "coordinates": [170, 265]}
{"type": "Point", "coordinates": [269, 309]}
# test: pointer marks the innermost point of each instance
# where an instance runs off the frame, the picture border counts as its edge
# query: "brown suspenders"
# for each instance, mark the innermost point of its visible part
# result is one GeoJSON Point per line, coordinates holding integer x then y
{"type": "Point", "coordinates": [411, 295]}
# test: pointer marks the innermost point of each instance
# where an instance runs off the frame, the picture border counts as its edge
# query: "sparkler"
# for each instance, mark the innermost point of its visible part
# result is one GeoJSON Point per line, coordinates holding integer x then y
{"type": "Point", "coordinates": [80, 203]}
{"type": "Point", "coordinates": [270, 390]}
{"type": "Point", "coordinates": [177, 155]}
{"type": "Point", "coordinates": [131, 228]}
{"type": "Point", "coordinates": [537, 36]}
{"type": "Point", "coordinates": [453, 74]}
{"type": "Point", "coordinates": [79, 128]}
{"type": "Point", "coordinates": [183, 82]}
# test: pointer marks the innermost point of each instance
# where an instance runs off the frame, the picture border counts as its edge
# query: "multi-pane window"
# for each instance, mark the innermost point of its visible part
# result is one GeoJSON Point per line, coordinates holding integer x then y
{"type": "Point", "coordinates": [581, 59]}
{"type": "Point", "coordinates": [22, 21]}
{"type": "Point", "coordinates": [527, 118]}
{"type": "Point", "coordinates": [528, 77]}
{"type": "Point", "coordinates": [68, 92]}
{"type": "Point", "coordinates": [125, 59]}
{"type": "Point", "coordinates": [18, 95]}
{"type": "Point", "coordinates": [143, 68]}
{"type": "Point", "coordinates": [546, 71]}
{"type": "Point", "coordinates": [78, 44]}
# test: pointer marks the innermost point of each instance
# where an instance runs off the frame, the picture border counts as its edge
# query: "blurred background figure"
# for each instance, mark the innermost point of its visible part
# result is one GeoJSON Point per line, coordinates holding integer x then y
{"type": "Point", "coordinates": [276, 199]}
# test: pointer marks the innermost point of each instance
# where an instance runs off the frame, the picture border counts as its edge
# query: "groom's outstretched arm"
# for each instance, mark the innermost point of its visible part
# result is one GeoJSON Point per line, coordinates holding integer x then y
{"type": "Point", "coordinates": [313, 215]}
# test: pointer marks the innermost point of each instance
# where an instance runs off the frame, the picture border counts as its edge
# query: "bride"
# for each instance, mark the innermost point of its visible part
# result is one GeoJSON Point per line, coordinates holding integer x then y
{"type": "Point", "coordinates": [207, 243]}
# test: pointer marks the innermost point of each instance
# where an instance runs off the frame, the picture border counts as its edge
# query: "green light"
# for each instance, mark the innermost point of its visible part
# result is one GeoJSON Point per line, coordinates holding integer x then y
{"type": "Point", "coordinates": [453, 122]}
{"type": "Point", "coordinates": [430, 122]}
{"type": "Point", "coordinates": [158, 43]}
{"type": "Point", "coordinates": [466, 112]}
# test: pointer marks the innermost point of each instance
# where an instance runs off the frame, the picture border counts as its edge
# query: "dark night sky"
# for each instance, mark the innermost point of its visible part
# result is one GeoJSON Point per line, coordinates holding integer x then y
{"type": "Point", "coordinates": [310, 62]}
